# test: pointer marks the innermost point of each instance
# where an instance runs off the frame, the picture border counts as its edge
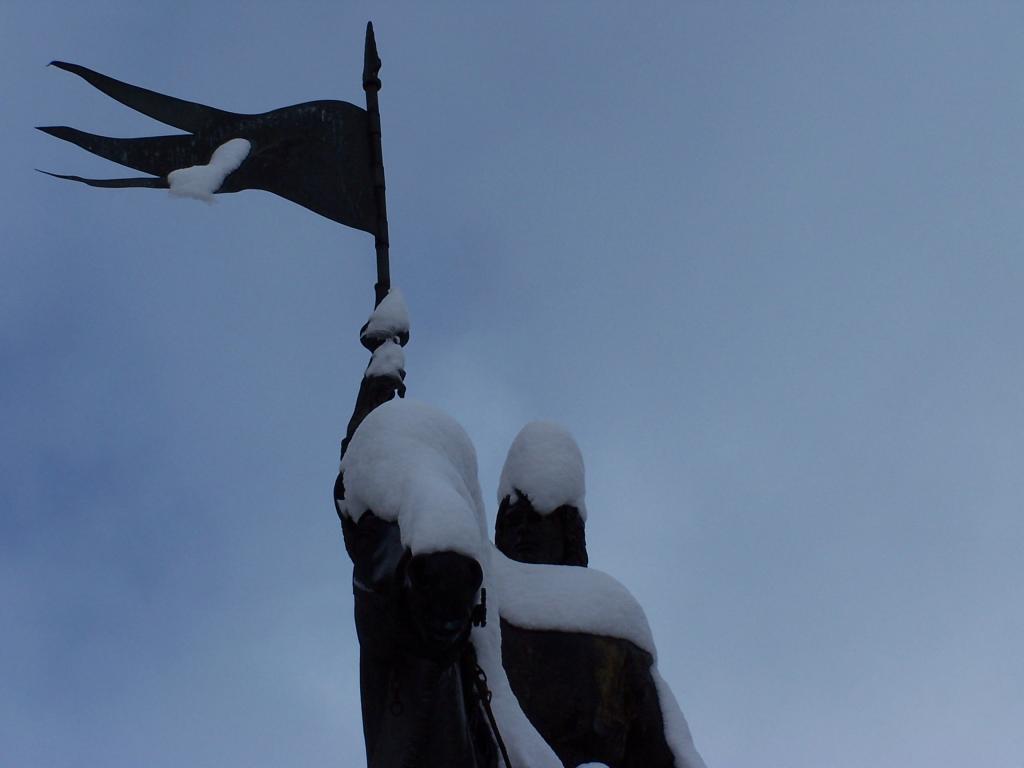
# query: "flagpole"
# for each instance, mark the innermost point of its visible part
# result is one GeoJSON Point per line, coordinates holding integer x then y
{"type": "Point", "coordinates": [371, 84]}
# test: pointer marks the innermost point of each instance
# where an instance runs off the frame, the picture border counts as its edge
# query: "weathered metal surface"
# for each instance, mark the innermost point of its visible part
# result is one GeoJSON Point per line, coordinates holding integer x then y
{"type": "Point", "coordinates": [592, 698]}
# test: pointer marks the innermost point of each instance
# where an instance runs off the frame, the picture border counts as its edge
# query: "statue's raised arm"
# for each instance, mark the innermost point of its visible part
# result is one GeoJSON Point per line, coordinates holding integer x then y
{"type": "Point", "coordinates": [385, 334]}
{"type": "Point", "coordinates": [412, 517]}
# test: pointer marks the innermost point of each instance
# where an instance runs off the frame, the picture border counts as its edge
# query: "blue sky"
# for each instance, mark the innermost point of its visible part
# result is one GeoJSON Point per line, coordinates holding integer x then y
{"type": "Point", "coordinates": [763, 260]}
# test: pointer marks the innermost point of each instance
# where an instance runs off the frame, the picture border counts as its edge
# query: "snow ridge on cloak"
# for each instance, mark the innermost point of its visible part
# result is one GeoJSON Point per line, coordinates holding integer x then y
{"type": "Point", "coordinates": [570, 598]}
{"type": "Point", "coordinates": [677, 730]}
{"type": "Point", "coordinates": [546, 465]}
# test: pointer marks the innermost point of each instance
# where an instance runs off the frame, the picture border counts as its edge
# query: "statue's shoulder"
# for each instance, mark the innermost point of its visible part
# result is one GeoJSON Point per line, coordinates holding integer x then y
{"type": "Point", "coordinates": [568, 598]}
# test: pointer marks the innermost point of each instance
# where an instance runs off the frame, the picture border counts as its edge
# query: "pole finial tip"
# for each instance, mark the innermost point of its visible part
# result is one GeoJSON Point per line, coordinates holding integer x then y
{"type": "Point", "coordinates": [371, 61]}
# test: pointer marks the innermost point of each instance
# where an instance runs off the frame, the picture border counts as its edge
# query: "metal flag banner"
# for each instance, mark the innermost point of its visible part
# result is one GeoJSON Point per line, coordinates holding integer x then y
{"type": "Point", "coordinates": [316, 154]}
{"type": "Point", "coordinates": [324, 155]}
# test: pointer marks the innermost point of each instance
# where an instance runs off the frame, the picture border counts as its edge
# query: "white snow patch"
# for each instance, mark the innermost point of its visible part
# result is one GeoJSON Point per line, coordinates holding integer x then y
{"type": "Point", "coordinates": [413, 463]}
{"type": "Point", "coordinates": [390, 318]}
{"type": "Point", "coordinates": [525, 746]}
{"type": "Point", "coordinates": [546, 465]}
{"type": "Point", "coordinates": [201, 181]}
{"type": "Point", "coordinates": [569, 598]}
{"type": "Point", "coordinates": [387, 360]}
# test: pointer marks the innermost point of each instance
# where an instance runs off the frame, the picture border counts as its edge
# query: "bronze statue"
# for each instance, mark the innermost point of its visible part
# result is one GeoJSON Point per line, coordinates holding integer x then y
{"type": "Point", "coordinates": [593, 696]}
{"type": "Point", "coordinates": [433, 683]}
{"type": "Point", "coordinates": [421, 704]}
{"type": "Point", "coordinates": [432, 686]}
{"type": "Point", "coordinates": [543, 468]}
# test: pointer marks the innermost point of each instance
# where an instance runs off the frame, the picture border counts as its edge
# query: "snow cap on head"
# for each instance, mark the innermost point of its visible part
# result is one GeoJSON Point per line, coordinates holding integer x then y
{"type": "Point", "coordinates": [414, 464]}
{"type": "Point", "coordinates": [545, 464]}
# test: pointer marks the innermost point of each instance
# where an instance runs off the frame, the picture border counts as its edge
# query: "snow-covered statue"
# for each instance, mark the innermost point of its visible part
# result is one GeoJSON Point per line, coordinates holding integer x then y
{"type": "Point", "coordinates": [433, 689]}
{"type": "Point", "coordinates": [576, 645]}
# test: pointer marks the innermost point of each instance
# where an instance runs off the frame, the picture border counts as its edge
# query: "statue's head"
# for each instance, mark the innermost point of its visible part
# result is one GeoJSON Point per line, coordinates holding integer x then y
{"type": "Point", "coordinates": [541, 510]}
{"type": "Point", "coordinates": [524, 534]}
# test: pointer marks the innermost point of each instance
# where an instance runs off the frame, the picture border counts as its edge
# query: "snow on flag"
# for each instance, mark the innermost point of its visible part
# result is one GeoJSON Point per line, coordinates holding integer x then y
{"type": "Point", "coordinates": [316, 154]}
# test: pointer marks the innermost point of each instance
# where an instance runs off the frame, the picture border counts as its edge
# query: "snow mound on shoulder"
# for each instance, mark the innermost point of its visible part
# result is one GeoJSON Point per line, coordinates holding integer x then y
{"type": "Point", "coordinates": [412, 463]}
{"type": "Point", "coordinates": [569, 598]}
{"type": "Point", "coordinates": [546, 465]}
{"type": "Point", "coordinates": [565, 598]}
